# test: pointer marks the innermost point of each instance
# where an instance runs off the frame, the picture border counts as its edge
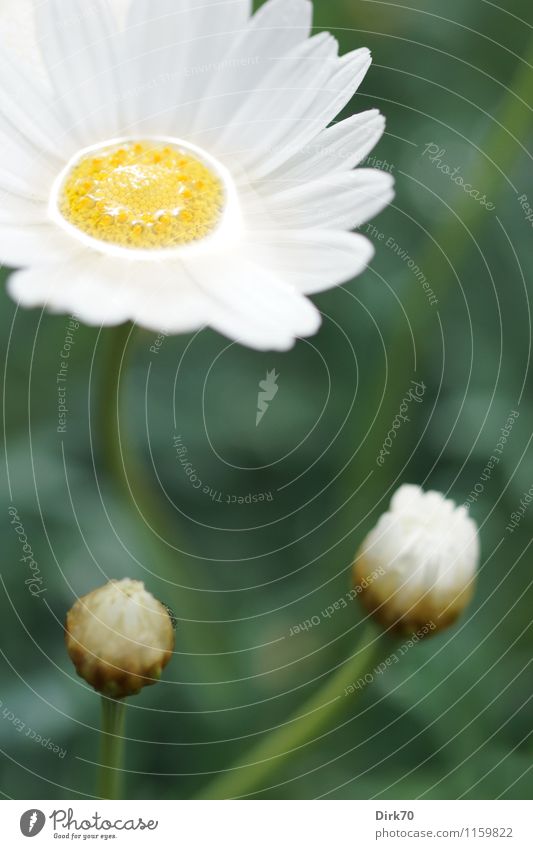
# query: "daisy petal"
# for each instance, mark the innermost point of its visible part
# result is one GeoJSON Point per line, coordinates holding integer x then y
{"type": "Point", "coordinates": [31, 135]}
{"type": "Point", "coordinates": [253, 305]}
{"type": "Point", "coordinates": [337, 148]}
{"type": "Point", "coordinates": [16, 210]}
{"type": "Point", "coordinates": [24, 171]}
{"type": "Point", "coordinates": [23, 178]}
{"type": "Point", "coordinates": [172, 50]}
{"type": "Point", "coordinates": [341, 201]}
{"type": "Point", "coordinates": [18, 36]}
{"type": "Point", "coordinates": [173, 303]}
{"type": "Point", "coordinates": [38, 243]}
{"type": "Point", "coordinates": [101, 290]}
{"type": "Point", "coordinates": [25, 111]}
{"type": "Point", "coordinates": [313, 260]}
{"type": "Point", "coordinates": [69, 288]}
{"type": "Point", "coordinates": [274, 30]}
{"type": "Point", "coordinates": [80, 47]}
{"type": "Point", "coordinates": [284, 92]}
{"type": "Point", "coordinates": [303, 125]}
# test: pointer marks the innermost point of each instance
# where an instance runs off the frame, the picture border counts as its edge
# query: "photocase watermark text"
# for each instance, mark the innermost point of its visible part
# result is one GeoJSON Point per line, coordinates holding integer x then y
{"type": "Point", "coordinates": [34, 581]}
{"type": "Point", "coordinates": [414, 395]}
{"type": "Point", "coordinates": [436, 156]}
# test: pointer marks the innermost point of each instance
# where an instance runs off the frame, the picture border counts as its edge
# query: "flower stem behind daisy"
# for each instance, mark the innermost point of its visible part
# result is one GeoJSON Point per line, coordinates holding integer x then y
{"type": "Point", "coordinates": [312, 719]}
{"type": "Point", "coordinates": [111, 439]}
{"type": "Point", "coordinates": [112, 748]}
{"type": "Point", "coordinates": [151, 512]}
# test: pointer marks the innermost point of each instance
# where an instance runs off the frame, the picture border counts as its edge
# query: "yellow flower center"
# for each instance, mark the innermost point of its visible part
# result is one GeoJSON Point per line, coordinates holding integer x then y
{"type": "Point", "coordinates": [142, 195]}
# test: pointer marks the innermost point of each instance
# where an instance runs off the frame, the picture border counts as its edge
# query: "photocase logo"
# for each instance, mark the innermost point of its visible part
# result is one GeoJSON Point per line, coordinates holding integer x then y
{"type": "Point", "coordinates": [268, 391]}
{"type": "Point", "coordinates": [32, 822]}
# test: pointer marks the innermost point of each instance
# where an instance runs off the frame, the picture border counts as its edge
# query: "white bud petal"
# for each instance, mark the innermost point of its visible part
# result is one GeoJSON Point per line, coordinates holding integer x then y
{"type": "Point", "coordinates": [418, 565]}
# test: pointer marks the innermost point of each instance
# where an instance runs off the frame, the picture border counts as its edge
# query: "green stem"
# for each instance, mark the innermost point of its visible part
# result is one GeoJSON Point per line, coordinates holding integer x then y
{"type": "Point", "coordinates": [301, 729]}
{"type": "Point", "coordinates": [196, 635]}
{"type": "Point", "coordinates": [110, 404]}
{"type": "Point", "coordinates": [112, 740]}
{"type": "Point", "coordinates": [136, 490]}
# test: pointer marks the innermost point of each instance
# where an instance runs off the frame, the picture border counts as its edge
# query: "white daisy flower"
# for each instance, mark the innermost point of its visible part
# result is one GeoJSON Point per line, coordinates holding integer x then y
{"type": "Point", "coordinates": [418, 566]}
{"type": "Point", "coordinates": [175, 164]}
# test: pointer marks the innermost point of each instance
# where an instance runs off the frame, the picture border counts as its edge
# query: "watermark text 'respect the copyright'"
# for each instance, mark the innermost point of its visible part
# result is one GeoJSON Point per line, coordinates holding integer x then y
{"type": "Point", "coordinates": [62, 374]}
{"type": "Point", "coordinates": [216, 495]}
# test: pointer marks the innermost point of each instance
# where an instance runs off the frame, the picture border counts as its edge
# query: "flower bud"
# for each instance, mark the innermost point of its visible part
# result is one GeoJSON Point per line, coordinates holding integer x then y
{"type": "Point", "coordinates": [119, 638]}
{"type": "Point", "coordinates": [417, 567]}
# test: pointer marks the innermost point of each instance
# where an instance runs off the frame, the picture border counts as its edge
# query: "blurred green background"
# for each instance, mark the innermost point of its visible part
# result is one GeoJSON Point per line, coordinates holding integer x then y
{"type": "Point", "coordinates": [451, 720]}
